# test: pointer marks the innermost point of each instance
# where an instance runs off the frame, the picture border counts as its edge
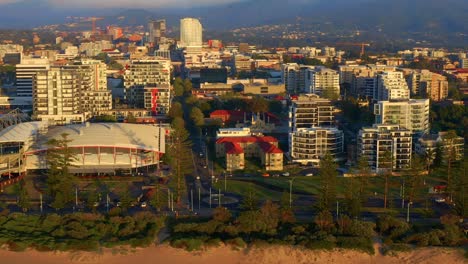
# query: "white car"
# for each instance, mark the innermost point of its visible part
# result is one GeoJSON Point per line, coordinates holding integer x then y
{"type": "Point", "coordinates": [285, 174]}
{"type": "Point", "coordinates": [143, 205]}
{"type": "Point", "coordinates": [309, 175]}
{"type": "Point", "coordinates": [440, 200]}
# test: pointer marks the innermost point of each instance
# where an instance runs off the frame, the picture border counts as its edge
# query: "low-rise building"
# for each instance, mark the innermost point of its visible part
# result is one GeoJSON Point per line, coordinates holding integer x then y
{"type": "Point", "coordinates": [308, 145]}
{"type": "Point", "coordinates": [236, 149]}
{"type": "Point", "coordinates": [448, 143]}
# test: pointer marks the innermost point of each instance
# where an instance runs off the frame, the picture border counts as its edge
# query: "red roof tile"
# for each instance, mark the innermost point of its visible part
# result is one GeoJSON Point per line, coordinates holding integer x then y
{"type": "Point", "coordinates": [246, 139]}
{"type": "Point", "coordinates": [233, 148]}
{"type": "Point", "coordinates": [270, 148]}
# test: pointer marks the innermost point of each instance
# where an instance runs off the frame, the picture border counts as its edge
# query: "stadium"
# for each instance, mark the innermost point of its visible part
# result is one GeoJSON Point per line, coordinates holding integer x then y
{"type": "Point", "coordinates": [98, 148]}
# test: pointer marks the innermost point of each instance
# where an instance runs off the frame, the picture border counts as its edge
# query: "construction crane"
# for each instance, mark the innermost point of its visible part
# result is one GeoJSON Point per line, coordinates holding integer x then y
{"type": "Point", "coordinates": [93, 21]}
{"type": "Point", "coordinates": [362, 45]}
{"type": "Point", "coordinates": [80, 20]}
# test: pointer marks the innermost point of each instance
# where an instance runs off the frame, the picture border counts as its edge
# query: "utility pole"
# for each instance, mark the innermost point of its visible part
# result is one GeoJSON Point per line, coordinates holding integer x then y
{"type": "Point", "coordinates": [40, 198]}
{"type": "Point", "coordinates": [219, 197]}
{"type": "Point", "coordinates": [191, 198]}
{"type": "Point", "coordinates": [210, 197]}
{"type": "Point", "coordinates": [199, 199]}
{"type": "Point", "coordinates": [290, 191]}
{"type": "Point", "coordinates": [407, 212]}
{"type": "Point", "coordinates": [337, 209]}
{"type": "Point", "coordinates": [403, 195]}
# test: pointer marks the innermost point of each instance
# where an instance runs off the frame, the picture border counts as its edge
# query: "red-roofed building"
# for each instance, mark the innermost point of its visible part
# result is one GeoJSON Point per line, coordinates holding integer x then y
{"type": "Point", "coordinates": [236, 149]}
{"type": "Point", "coordinates": [228, 116]}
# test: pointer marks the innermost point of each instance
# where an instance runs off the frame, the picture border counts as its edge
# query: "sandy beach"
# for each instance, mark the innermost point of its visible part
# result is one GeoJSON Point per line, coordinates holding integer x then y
{"type": "Point", "coordinates": [226, 255]}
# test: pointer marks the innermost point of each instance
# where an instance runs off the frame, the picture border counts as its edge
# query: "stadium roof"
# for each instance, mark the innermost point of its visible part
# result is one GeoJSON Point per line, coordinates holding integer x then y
{"type": "Point", "coordinates": [21, 132]}
{"type": "Point", "coordinates": [119, 135]}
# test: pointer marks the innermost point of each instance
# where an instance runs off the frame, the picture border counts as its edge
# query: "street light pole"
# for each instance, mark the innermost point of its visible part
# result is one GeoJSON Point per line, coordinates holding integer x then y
{"type": "Point", "coordinates": [191, 198]}
{"type": "Point", "coordinates": [403, 195]}
{"type": "Point", "coordinates": [210, 197]}
{"type": "Point", "coordinates": [407, 211]}
{"type": "Point", "coordinates": [290, 192]}
{"type": "Point", "coordinates": [40, 198]}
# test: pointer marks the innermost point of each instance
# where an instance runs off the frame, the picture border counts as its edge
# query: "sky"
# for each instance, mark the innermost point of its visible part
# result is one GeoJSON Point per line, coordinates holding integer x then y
{"type": "Point", "coordinates": [128, 3]}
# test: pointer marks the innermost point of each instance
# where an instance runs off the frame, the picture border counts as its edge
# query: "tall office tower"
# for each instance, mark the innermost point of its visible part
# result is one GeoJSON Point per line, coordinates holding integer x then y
{"type": "Point", "coordinates": [375, 142]}
{"type": "Point", "coordinates": [71, 93]}
{"type": "Point", "coordinates": [322, 81]}
{"type": "Point", "coordinates": [25, 72]}
{"type": "Point", "coordinates": [157, 30]}
{"type": "Point", "coordinates": [410, 114]}
{"type": "Point", "coordinates": [191, 31]}
{"type": "Point", "coordinates": [310, 111]}
{"type": "Point", "coordinates": [392, 86]}
{"type": "Point", "coordinates": [148, 84]}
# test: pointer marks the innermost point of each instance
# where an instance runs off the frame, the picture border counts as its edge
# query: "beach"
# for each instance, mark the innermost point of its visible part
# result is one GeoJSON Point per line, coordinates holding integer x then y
{"type": "Point", "coordinates": [227, 255]}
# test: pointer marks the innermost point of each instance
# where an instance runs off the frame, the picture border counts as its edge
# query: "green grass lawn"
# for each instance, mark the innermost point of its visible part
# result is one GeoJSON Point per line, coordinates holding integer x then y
{"type": "Point", "coordinates": [243, 188]}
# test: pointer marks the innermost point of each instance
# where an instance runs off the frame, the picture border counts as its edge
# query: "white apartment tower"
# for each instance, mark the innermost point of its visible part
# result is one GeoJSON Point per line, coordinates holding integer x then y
{"type": "Point", "coordinates": [391, 86]}
{"type": "Point", "coordinates": [322, 81]}
{"type": "Point", "coordinates": [308, 145]}
{"type": "Point", "coordinates": [374, 142]}
{"type": "Point", "coordinates": [25, 73]}
{"type": "Point", "coordinates": [191, 32]}
{"type": "Point", "coordinates": [410, 114]}
{"type": "Point", "coordinates": [310, 111]}
{"type": "Point", "coordinates": [71, 93]}
{"type": "Point", "coordinates": [148, 84]}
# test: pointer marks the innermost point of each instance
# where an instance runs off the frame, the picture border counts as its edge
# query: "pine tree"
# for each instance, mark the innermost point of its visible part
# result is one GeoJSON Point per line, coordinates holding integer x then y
{"type": "Point", "coordinates": [386, 166]}
{"type": "Point", "coordinates": [327, 176]}
{"type": "Point", "coordinates": [60, 181]}
{"type": "Point", "coordinates": [23, 196]}
{"type": "Point", "coordinates": [250, 201]}
{"type": "Point", "coordinates": [181, 158]}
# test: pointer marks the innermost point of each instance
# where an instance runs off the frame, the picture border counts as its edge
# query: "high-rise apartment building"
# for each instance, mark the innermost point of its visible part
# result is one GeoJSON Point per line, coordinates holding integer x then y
{"type": "Point", "coordinates": [290, 77]}
{"type": "Point", "coordinates": [361, 80]}
{"type": "Point", "coordinates": [191, 31]}
{"type": "Point", "coordinates": [310, 79]}
{"type": "Point", "coordinates": [391, 86]}
{"type": "Point", "coordinates": [71, 93]}
{"type": "Point", "coordinates": [157, 30]}
{"type": "Point", "coordinates": [148, 84]}
{"type": "Point", "coordinates": [25, 73]}
{"type": "Point", "coordinates": [382, 144]}
{"type": "Point", "coordinates": [308, 145]}
{"type": "Point", "coordinates": [323, 82]}
{"type": "Point", "coordinates": [410, 114]}
{"type": "Point", "coordinates": [310, 111]}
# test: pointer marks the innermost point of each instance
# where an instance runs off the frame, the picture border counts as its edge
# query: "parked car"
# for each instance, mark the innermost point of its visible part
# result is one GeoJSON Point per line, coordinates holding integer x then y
{"type": "Point", "coordinates": [285, 174]}
{"type": "Point", "coordinates": [266, 175]}
{"type": "Point", "coordinates": [143, 205]}
{"type": "Point", "coordinates": [309, 175]}
{"type": "Point", "coordinates": [439, 200]}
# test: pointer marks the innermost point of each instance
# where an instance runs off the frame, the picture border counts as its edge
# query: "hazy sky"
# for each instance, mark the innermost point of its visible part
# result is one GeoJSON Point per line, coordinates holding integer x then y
{"type": "Point", "coordinates": [129, 3]}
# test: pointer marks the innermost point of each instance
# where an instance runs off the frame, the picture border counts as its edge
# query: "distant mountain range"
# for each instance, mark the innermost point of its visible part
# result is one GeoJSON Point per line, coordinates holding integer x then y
{"type": "Point", "coordinates": [391, 16]}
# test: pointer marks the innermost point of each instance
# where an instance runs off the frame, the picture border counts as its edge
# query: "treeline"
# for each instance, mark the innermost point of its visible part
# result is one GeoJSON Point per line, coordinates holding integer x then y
{"type": "Point", "coordinates": [79, 231]}
{"type": "Point", "coordinates": [275, 225]}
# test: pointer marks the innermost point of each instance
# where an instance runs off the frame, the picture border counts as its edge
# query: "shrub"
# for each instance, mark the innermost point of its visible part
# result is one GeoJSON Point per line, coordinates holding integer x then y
{"type": "Point", "coordinates": [320, 245]}
{"type": "Point", "coordinates": [236, 242]}
{"type": "Point", "coordinates": [358, 243]}
{"type": "Point", "coordinates": [391, 226]}
{"type": "Point", "coordinates": [189, 244]}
